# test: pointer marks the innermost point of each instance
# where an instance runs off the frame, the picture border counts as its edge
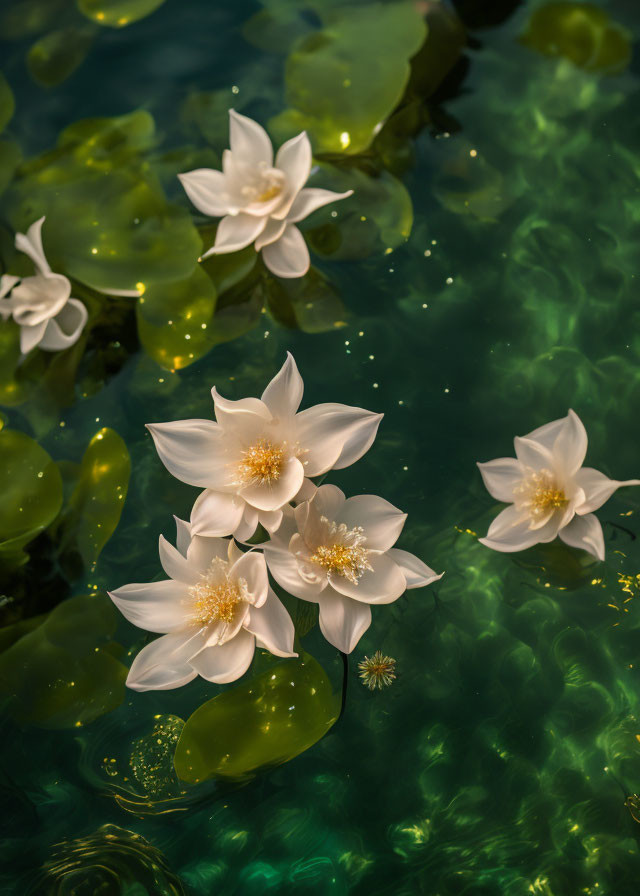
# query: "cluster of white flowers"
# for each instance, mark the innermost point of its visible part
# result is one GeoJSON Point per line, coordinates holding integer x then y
{"type": "Point", "coordinates": [254, 464]}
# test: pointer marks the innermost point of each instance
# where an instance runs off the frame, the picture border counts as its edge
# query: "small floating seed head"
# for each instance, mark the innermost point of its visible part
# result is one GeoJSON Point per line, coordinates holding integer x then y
{"type": "Point", "coordinates": [216, 596]}
{"type": "Point", "coordinates": [262, 462]}
{"type": "Point", "coordinates": [343, 552]}
{"type": "Point", "coordinates": [539, 493]}
{"type": "Point", "coordinates": [377, 671]}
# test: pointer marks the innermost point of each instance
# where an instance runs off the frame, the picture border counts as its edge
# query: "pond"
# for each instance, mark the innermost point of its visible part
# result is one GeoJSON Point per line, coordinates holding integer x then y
{"type": "Point", "coordinates": [471, 278]}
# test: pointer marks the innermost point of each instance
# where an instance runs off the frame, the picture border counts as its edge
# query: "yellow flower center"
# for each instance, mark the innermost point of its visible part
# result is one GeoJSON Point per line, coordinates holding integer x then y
{"type": "Point", "coordinates": [346, 555]}
{"type": "Point", "coordinates": [216, 596]}
{"type": "Point", "coordinates": [540, 493]}
{"type": "Point", "coordinates": [263, 185]}
{"type": "Point", "coordinates": [269, 193]}
{"type": "Point", "coordinates": [262, 463]}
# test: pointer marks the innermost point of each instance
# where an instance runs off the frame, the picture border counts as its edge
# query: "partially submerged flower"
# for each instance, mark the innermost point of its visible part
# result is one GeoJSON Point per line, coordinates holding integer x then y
{"type": "Point", "coordinates": [213, 609]}
{"type": "Point", "coordinates": [549, 492]}
{"type": "Point", "coordinates": [41, 305]}
{"type": "Point", "coordinates": [260, 200]}
{"type": "Point", "coordinates": [339, 553]}
{"type": "Point", "coordinates": [377, 671]}
{"type": "Point", "coordinates": [253, 461]}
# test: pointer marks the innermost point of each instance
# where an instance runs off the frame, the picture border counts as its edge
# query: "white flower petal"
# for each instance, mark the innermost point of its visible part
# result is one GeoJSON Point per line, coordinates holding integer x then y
{"type": "Point", "coordinates": [192, 451]}
{"type": "Point", "coordinates": [585, 532]}
{"type": "Point", "coordinates": [284, 393]}
{"type": "Point", "coordinates": [270, 519]}
{"type": "Point", "coordinates": [252, 568]}
{"type": "Point", "coordinates": [533, 454]}
{"type": "Point", "coordinates": [272, 232]}
{"type": "Point", "coordinates": [294, 159]}
{"type": "Point", "coordinates": [283, 566]}
{"type": "Point", "coordinates": [510, 532]}
{"type": "Point", "coordinates": [501, 476]}
{"type": "Point", "coordinates": [175, 565]}
{"type": "Point", "coordinates": [245, 417]}
{"type": "Point", "coordinates": [597, 488]}
{"type": "Point", "coordinates": [343, 621]}
{"type": "Point", "coordinates": [381, 521]}
{"type": "Point", "coordinates": [307, 491]}
{"type": "Point", "coordinates": [31, 244]}
{"type": "Point", "coordinates": [236, 232]}
{"type": "Point", "coordinates": [164, 664]}
{"type": "Point", "coordinates": [7, 282]}
{"type": "Point", "coordinates": [288, 256]}
{"type": "Point", "coordinates": [382, 584]}
{"type": "Point", "coordinates": [155, 607]}
{"type": "Point", "coordinates": [216, 514]}
{"type": "Point", "coordinates": [272, 626]}
{"type": "Point", "coordinates": [274, 495]}
{"type": "Point", "coordinates": [570, 446]}
{"type": "Point", "coordinates": [65, 328]}
{"type": "Point", "coordinates": [207, 190]}
{"type": "Point", "coordinates": [39, 298]}
{"type": "Point", "coordinates": [183, 535]}
{"type": "Point", "coordinates": [334, 436]}
{"type": "Point", "coordinates": [226, 662]}
{"type": "Point", "coordinates": [31, 336]}
{"type": "Point", "coordinates": [247, 526]}
{"type": "Point", "coordinates": [310, 199]}
{"type": "Point", "coordinates": [329, 500]}
{"type": "Point", "coordinates": [249, 141]}
{"type": "Point", "coordinates": [416, 573]}
{"type": "Point", "coordinates": [203, 550]}
{"type": "Point", "coordinates": [546, 435]}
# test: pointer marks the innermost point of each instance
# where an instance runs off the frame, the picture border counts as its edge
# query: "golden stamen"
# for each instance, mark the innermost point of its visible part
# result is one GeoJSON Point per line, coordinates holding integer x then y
{"type": "Point", "coordinates": [216, 596]}
{"type": "Point", "coordinates": [346, 556]}
{"type": "Point", "coordinates": [262, 463]}
{"type": "Point", "coordinates": [539, 494]}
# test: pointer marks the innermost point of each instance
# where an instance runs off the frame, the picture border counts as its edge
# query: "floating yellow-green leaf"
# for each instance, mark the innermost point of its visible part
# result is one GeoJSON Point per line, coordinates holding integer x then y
{"type": "Point", "coordinates": [63, 674]}
{"type": "Point", "coordinates": [7, 104]}
{"type": "Point", "coordinates": [10, 156]}
{"type": "Point", "coordinates": [227, 270]}
{"type": "Point", "coordinates": [98, 498]}
{"type": "Point", "coordinates": [344, 81]}
{"type": "Point", "coordinates": [31, 489]}
{"type": "Point", "coordinates": [175, 320]}
{"type": "Point", "coordinates": [57, 55]}
{"type": "Point", "coordinates": [117, 13]}
{"type": "Point", "coordinates": [582, 33]}
{"type": "Point", "coordinates": [309, 303]}
{"type": "Point", "coordinates": [30, 17]}
{"type": "Point", "coordinates": [378, 217]}
{"type": "Point", "coordinates": [264, 721]}
{"type": "Point", "coordinates": [108, 222]}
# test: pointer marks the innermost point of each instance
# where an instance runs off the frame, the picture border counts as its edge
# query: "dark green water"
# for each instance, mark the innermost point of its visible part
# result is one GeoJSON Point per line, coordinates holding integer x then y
{"type": "Point", "coordinates": [498, 762]}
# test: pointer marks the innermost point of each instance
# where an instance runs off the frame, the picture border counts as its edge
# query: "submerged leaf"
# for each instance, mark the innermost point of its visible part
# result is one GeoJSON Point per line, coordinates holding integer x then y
{"type": "Point", "coordinates": [10, 156]}
{"type": "Point", "coordinates": [117, 13]}
{"type": "Point", "coordinates": [7, 104]}
{"type": "Point", "coordinates": [264, 721]}
{"type": "Point", "coordinates": [57, 55]}
{"type": "Point", "coordinates": [175, 320]}
{"type": "Point", "coordinates": [31, 489]}
{"type": "Point", "coordinates": [63, 674]}
{"type": "Point", "coordinates": [582, 33]}
{"type": "Point", "coordinates": [98, 498]}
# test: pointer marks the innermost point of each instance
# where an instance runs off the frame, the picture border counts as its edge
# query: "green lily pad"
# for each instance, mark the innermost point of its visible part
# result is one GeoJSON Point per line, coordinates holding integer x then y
{"type": "Point", "coordinates": [335, 90]}
{"type": "Point", "coordinates": [175, 320]}
{"type": "Point", "coordinates": [53, 58]}
{"type": "Point", "coordinates": [7, 103]}
{"type": "Point", "coordinates": [377, 218]}
{"type": "Point", "coordinates": [30, 17]}
{"type": "Point", "coordinates": [63, 674]}
{"type": "Point", "coordinates": [98, 498]}
{"type": "Point", "coordinates": [582, 33]}
{"type": "Point", "coordinates": [117, 13]}
{"type": "Point", "coordinates": [264, 721]}
{"type": "Point", "coordinates": [31, 489]}
{"type": "Point", "coordinates": [309, 303]}
{"type": "Point", "coordinates": [108, 222]}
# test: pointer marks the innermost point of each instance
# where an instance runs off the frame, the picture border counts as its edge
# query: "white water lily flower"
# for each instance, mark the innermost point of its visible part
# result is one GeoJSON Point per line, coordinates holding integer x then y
{"type": "Point", "coordinates": [213, 610]}
{"type": "Point", "coordinates": [260, 201]}
{"type": "Point", "coordinates": [339, 553]}
{"type": "Point", "coordinates": [254, 460]}
{"type": "Point", "coordinates": [41, 305]}
{"type": "Point", "coordinates": [549, 491]}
